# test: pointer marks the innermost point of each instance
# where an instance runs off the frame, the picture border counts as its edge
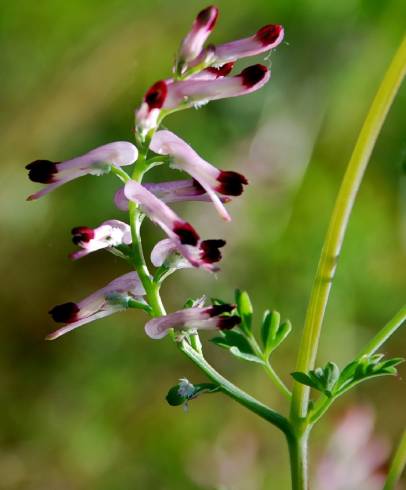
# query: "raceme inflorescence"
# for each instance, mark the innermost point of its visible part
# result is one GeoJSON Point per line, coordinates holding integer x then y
{"type": "Point", "coordinates": [200, 74]}
{"type": "Point", "coordinates": [203, 73]}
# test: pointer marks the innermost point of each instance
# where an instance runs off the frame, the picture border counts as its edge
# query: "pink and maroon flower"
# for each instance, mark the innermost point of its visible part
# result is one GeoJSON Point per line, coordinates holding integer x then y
{"type": "Point", "coordinates": [96, 162]}
{"type": "Point", "coordinates": [146, 117]}
{"type": "Point", "coordinates": [171, 191]}
{"type": "Point", "coordinates": [206, 252]}
{"type": "Point", "coordinates": [265, 39]}
{"type": "Point", "coordinates": [208, 318]}
{"type": "Point", "coordinates": [118, 295]}
{"type": "Point", "coordinates": [193, 43]}
{"type": "Point", "coordinates": [195, 91]}
{"type": "Point", "coordinates": [211, 179]}
{"type": "Point", "coordinates": [109, 234]}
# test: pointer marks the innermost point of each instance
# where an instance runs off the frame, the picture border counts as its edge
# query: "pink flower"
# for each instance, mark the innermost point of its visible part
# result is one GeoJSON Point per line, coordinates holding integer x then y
{"type": "Point", "coordinates": [208, 318]}
{"type": "Point", "coordinates": [118, 295]}
{"type": "Point", "coordinates": [96, 162]}
{"type": "Point", "coordinates": [168, 192]}
{"type": "Point", "coordinates": [111, 233]}
{"type": "Point", "coordinates": [192, 44]}
{"type": "Point", "coordinates": [211, 179]}
{"type": "Point", "coordinates": [265, 39]}
{"type": "Point", "coordinates": [147, 115]}
{"type": "Point", "coordinates": [206, 253]}
{"type": "Point", "coordinates": [183, 236]}
{"type": "Point", "coordinates": [198, 90]}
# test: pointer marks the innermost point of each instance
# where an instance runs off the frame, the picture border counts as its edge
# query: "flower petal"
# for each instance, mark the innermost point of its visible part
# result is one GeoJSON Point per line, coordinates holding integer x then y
{"type": "Point", "coordinates": [95, 162]}
{"type": "Point", "coordinates": [208, 318]}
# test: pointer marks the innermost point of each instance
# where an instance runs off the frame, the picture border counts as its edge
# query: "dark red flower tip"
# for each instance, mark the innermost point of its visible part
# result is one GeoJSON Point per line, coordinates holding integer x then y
{"type": "Point", "coordinates": [221, 71]}
{"type": "Point", "coordinates": [209, 250]}
{"type": "Point", "coordinates": [82, 234]}
{"type": "Point", "coordinates": [269, 34]}
{"type": "Point", "coordinates": [156, 95]}
{"type": "Point", "coordinates": [231, 183]}
{"type": "Point", "coordinates": [186, 233]}
{"type": "Point", "coordinates": [207, 18]}
{"type": "Point", "coordinates": [228, 322]}
{"type": "Point", "coordinates": [65, 313]}
{"type": "Point", "coordinates": [217, 310]}
{"type": "Point", "coordinates": [253, 75]}
{"type": "Point", "coordinates": [198, 188]}
{"type": "Point", "coordinates": [42, 171]}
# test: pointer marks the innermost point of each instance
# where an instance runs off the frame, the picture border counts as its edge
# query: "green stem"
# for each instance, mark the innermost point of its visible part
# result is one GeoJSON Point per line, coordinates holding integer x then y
{"type": "Point", "coordinates": [383, 335]}
{"type": "Point", "coordinates": [338, 225]}
{"type": "Point", "coordinates": [151, 288]}
{"type": "Point", "coordinates": [157, 309]}
{"type": "Point", "coordinates": [397, 465]}
{"type": "Point", "coordinates": [234, 392]}
{"type": "Point", "coordinates": [280, 385]}
{"type": "Point", "coordinates": [298, 460]}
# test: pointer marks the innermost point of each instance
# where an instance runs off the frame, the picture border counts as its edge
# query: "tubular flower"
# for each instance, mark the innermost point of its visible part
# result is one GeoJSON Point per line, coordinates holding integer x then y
{"type": "Point", "coordinates": [116, 296]}
{"type": "Point", "coordinates": [265, 39]}
{"type": "Point", "coordinates": [208, 318]}
{"type": "Point", "coordinates": [146, 117]}
{"type": "Point", "coordinates": [192, 44]}
{"type": "Point", "coordinates": [96, 162]}
{"type": "Point", "coordinates": [197, 92]}
{"type": "Point", "coordinates": [206, 252]}
{"type": "Point", "coordinates": [109, 234]}
{"type": "Point", "coordinates": [180, 232]}
{"type": "Point", "coordinates": [173, 191]}
{"type": "Point", "coordinates": [211, 179]}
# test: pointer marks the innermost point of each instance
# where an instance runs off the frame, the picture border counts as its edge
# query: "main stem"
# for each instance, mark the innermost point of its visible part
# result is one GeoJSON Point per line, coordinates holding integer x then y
{"type": "Point", "coordinates": [297, 446]}
{"type": "Point", "coordinates": [338, 225]}
{"type": "Point", "coordinates": [398, 464]}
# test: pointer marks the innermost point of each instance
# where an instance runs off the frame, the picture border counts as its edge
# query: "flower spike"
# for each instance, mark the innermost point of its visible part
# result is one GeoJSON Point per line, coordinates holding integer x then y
{"type": "Point", "coordinates": [109, 234]}
{"type": "Point", "coordinates": [96, 162]}
{"type": "Point", "coordinates": [209, 177]}
{"type": "Point", "coordinates": [114, 297]}
{"type": "Point", "coordinates": [168, 192]}
{"type": "Point", "coordinates": [265, 39]}
{"type": "Point", "coordinates": [192, 44]}
{"type": "Point", "coordinates": [208, 318]}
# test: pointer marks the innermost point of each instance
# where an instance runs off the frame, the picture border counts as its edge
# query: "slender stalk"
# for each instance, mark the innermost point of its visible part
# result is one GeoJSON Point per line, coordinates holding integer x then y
{"type": "Point", "coordinates": [397, 465]}
{"type": "Point", "coordinates": [234, 392]}
{"type": "Point", "coordinates": [298, 461]}
{"type": "Point", "coordinates": [273, 376]}
{"type": "Point", "coordinates": [338, 225]}
{"type": "Point", "coordinates": [383, 335]}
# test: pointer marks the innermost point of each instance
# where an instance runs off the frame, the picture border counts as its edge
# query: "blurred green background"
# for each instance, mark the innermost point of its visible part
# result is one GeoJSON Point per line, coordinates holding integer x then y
{"type": "Point", "coordinates": [88, 411]}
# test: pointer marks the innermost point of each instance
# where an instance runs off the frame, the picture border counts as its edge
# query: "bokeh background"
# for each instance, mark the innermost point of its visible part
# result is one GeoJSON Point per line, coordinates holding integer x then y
{"type": "Point", "coordinates": [88, 411]}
